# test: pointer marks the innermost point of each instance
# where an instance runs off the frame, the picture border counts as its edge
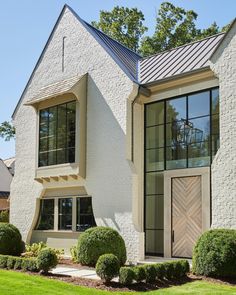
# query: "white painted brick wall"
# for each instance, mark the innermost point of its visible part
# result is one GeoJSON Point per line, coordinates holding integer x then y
{"type": "Point", "coordinates": [109, 178]}
{"type": "Point", "coordinates": [224, 165]}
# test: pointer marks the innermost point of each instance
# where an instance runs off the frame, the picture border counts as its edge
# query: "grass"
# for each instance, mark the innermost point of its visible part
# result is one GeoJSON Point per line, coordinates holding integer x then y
{"type": "Point", "coordinates": [15, 283]}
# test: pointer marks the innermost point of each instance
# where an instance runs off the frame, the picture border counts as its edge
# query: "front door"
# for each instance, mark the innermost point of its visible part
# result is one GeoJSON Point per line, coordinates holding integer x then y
{"type": "Point", "coordinates": [186, 214]}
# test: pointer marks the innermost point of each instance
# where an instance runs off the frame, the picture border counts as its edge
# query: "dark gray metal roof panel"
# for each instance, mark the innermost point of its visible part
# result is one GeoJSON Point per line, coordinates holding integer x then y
{"type": "Point", "coordinates": [179, 60]}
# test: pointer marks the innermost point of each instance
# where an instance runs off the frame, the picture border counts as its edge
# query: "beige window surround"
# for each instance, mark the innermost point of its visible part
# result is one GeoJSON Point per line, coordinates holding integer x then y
{"type": "Point", "coordinates": [56, 214]}
{"type": "Point", "coordinates": [71, 89]}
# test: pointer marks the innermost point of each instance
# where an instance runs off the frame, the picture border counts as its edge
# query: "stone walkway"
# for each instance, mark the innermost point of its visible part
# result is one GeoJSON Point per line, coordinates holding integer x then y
{"type": "Point", "coordinates": [75, 272]}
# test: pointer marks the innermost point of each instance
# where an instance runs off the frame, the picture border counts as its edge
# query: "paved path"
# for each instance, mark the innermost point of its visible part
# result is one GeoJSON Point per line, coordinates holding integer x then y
{"type": "Point", "coordinates": [75, 272]}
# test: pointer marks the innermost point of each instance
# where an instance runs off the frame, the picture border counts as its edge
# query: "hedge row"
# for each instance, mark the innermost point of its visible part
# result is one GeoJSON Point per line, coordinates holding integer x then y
{"type": "Point", "coordinates": [13, 262]}
{"type": "Point", "coordinates": [151, 272]}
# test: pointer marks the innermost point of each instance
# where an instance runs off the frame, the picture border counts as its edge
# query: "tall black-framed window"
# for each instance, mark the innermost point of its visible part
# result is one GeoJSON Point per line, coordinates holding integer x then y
{"type": "Point", "coordinates": [84, 214]}
{"type": "Point", "coordinates": [46, 215]}
{"type": "Point", "coordinates": [180, 132]}
{"type": "Point", "coordinates": [57, 126]}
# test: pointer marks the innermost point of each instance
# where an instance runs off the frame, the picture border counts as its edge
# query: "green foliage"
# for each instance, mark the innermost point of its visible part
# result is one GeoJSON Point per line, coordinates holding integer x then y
{"type": "Point", "coordinates": [7, 130]}
{"type": "Point", "coordinates": [139, 273]}
{"type": "Point", "coordinates": [160, 271]}
{"type": "Point", "coordinates": [34, 249]}
{"type": "Point", "coordinates": [46, 260]}
{"type": "Point", "coordinates": [126, 275]}
{"type": "Point", "coordinates": [74, 254]}
{"type": "Point", "coordinates": [18, 262]}
{"type": "Point", "coordinates": [151, 273]}
{"type": "Point", "coordinates": [4, 216]}
{"type": "Point", "coordinates": [10, 240]}
{"type": "Point", "coordinates": [215, 253]}
{"type": "Point", "coordinates": [29, 264]}
{"type": "Point", "coordinates": [3, 261]}
{"type": "Point", "coordinates": [11, 260]}
{"type": "Point", "coordinates": [175, 27]}
{"type": "Point", "coordinates": [107, 267]}
{"type": "Point", "coordinates": [14, 262]}
{"type": "Point", "coordinates": [97, 241]}
{"type": "Point", "coordinates": [123, 24]}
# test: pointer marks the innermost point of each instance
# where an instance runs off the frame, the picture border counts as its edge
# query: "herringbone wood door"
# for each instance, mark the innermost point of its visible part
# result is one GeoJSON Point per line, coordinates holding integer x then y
{"type": "Point", "coordinates": [186, 214]}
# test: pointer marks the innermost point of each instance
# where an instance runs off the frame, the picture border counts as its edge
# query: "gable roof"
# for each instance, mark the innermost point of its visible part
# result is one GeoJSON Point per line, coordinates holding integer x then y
{"type": "Point", "coordinates": [179, 60]}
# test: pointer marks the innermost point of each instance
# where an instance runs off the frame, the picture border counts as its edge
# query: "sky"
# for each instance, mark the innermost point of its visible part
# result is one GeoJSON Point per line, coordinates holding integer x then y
{"type": "Point", "coordinates": [26, 24]}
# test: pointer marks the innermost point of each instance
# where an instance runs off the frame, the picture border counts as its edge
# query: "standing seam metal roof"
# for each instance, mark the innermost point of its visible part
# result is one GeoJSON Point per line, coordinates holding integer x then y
{"type": "Point", "coordinates": [178, 60]}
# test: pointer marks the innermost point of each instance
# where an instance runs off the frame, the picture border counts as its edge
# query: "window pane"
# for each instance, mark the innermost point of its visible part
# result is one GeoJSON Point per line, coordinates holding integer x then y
{"type": "Point", "coordinates": [52, 158]}
{"type": "Point", "coordinates": [175, 133]}
{"type": "Point", "coordinates": [176, 109]}
{"type": "Point", "coordinates": [155, 212]}
{"type": "Point", "coordinates": [61, 132]}
{"type": "Point", "coordinates": [154, 241]}
{"type": "Point", "coordinates": [215, 143]}
{"type": "Point", "coordinates": [199, 154]}
{"type": "Point", "coordinates": [154, 183]}
{"type": "Point", "coordinates": [199, 104]}
{"type": "Point", "coordinates": [43, 159]}
{"type": "Point", "coordinates": [155, 159]}
{"type": "Point", "coordinates": [176, 157]}
{"type": "Point", "coordinates": [65, 214]}
{"type": "Point", "coordinates": [52, 131]}
{"type": "Point", "coordinates": [46, 215]}
{"type": "Point", "coordinates": [215, 124]}
{"type": "Point", "coordinates": [61, 156]}
{"type": "Point", "coordinates": [155, 137]}
{"type": "Point", "coordinates": [155, 114]}
{"type": "Point", "coordinates": [70, 155]}
{"type": "Point", "coordinates": [199, 130]}
{"type": "Point", "coordinates": [215, 101]}
{"type": "Point", "coordinates": [71, 110]}
{"type": "Point", "coordinates": [85, 218]}
{"type": "Point", "coordinates": [43, 144]}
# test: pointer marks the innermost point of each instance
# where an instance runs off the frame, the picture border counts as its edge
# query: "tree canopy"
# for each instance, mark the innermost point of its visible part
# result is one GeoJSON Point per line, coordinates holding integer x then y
{"type": "Point", "coordinates": [123, 24]}
{"type": "Point", "coordinates": [7, 130]}
{"type": "Point", "coordinates": [175, 26]}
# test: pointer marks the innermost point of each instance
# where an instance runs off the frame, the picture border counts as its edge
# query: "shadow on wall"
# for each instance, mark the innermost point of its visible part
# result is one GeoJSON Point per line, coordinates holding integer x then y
{"type": "Point", "coordinates": [108, 176]}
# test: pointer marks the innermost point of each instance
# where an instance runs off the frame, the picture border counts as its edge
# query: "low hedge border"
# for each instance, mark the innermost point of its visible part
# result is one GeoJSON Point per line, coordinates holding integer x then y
{"type": "Point", "coordinates": [14, 262]}
{"type": "Point", "coordinates": [150, 273]}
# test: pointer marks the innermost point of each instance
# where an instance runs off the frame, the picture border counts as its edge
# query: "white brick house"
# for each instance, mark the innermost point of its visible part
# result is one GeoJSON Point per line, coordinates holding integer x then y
{"type": "Point", "coordinates": [106, 137]}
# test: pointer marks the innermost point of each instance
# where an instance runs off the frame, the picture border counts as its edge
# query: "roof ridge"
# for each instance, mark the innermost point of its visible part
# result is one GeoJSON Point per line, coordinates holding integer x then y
{"type": "Point", "coordinates": [186, 44]}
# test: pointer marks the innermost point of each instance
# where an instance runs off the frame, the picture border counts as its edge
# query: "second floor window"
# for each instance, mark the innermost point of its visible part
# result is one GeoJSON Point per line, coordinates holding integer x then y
{"type": "Point", "coordinates": [57, 126]}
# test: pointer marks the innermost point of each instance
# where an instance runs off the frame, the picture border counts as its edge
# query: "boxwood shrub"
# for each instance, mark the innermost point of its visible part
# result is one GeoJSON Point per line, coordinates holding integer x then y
{"type": "Point", "coordinates": [97, 241]}
{"type": "Point", "coordinates": [215, 253]}
{"type": "Point", "coordinates": [14, 262]}
{"type": "Point", "coordinates": [107, 267]}
{"type": "Point", "coordinates": [139, 273]}
{"type": "Point", "coordinates": [151, 273]}
{"type": "Point", "coordinates": [10, 240]}
{"type": "Point", "coordinates": [160, 269]}
{"type": "Point", "coordinates": [126, 275]}
{"type": "Point", "coordinates": [46, 260]}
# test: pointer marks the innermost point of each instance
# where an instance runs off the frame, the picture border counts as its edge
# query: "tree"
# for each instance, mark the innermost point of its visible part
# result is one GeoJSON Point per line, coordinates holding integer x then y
{"type": "Point", "coordinates": [7, 131]}
{"type": "Point", "coordinates": [122, 24]}
{"type": "Point", "coordinates": [175, 27]}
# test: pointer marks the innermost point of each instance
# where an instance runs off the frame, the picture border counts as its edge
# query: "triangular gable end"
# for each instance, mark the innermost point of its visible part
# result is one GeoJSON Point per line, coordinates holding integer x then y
{"type": "Point", "coordinates": [125, 58]}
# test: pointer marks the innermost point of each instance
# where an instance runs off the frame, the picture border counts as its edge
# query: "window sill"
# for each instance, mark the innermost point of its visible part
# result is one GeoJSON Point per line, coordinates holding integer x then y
{"type": "Point", "coordinates": [57, 231]}
{"type": "Point", "coordinates": [54, 172]}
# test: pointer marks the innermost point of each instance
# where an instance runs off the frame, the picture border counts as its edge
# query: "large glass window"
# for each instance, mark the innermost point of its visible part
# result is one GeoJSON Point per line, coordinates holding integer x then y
{"type": "Point", "coordinates": [57, 126]}
{"type": "Point", "coordinates": [180, 132]}
{"type": "Point", "coordinates": [77, 218]}
{"type": "Point", "coordinates": [65, 214]}
{"type": "Point", "coordinates": [46, 215]}
{"type": "Point", "coordinates": [84, 217]}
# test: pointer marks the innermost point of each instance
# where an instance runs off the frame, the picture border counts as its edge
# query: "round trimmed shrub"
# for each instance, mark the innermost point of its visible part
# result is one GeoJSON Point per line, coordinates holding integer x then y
{"type": "Point", "coordinates": [46, 260]}
{"type": "Point", "coordinates": [10, 240]}
{"type": "Point", "coordinates": [215, 253]}
{"type": "Point", "coordinates": [107, 267]}
{"type": "Point", "coordinates": [97, 241]}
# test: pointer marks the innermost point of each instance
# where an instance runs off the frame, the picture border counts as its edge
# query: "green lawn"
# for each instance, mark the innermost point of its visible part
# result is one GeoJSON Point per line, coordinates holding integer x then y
{"type": "Point", "coordinates": [24, 284]}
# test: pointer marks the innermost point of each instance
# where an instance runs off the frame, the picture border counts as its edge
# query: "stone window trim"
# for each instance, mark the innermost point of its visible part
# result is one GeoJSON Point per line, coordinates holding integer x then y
{"type": "Point", "coordinates": [56, 213]}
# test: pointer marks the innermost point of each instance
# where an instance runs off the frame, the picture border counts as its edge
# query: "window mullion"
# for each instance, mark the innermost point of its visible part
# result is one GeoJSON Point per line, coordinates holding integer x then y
{"type": "Point", "coordinates": [56, 214]}
{"type": "Point", "coordinates": [74, 211]}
